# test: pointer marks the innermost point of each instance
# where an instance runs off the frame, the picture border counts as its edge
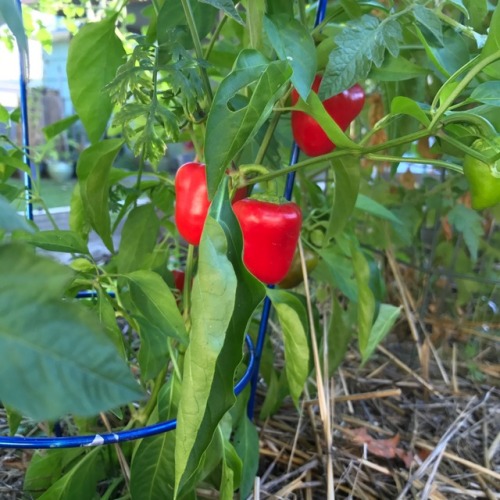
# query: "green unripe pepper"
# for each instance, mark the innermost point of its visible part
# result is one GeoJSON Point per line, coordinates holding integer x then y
{"type": "Point", "coordinates": [483, 179]}
{"type": "Point", "coordinates": [294, 276]}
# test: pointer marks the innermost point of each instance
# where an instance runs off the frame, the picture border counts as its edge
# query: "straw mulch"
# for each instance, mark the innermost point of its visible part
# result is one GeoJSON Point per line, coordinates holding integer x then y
{"type": "Point", "coordinates": [419, 420]}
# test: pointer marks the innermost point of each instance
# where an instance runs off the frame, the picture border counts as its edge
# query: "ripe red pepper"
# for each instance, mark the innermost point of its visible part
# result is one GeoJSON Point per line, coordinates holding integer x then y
{"type": "Point", "coordinates": [343, 108]}
{"type": "Point", "coordinates": [191, 200]}
{"type": "Point", "coordinates": [179, 278]}
{"type": "Point", "coordinates": [270, 235]}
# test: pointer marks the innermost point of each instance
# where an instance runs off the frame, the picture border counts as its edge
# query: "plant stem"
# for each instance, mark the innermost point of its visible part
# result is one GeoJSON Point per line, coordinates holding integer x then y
{"type": "Point", "coordinates": [399, 159]}
{"type": "Point", "coordinates": [462, 86]}
{"type": "Point", "coordinates": [264, 145]}
{"type": "Point", "coordinates": [197, 47]}
{"type": "Point", "coordinates": [467, 31]}
{"type": "Point", "coordinates": [462, 147]}
{"type": "Point", "coordinates": [216, 34]}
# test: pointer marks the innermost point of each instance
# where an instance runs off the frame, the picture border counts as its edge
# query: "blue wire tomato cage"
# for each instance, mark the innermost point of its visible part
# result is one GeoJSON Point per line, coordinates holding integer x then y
{"type": "Point", "coordinates": [251, 374]}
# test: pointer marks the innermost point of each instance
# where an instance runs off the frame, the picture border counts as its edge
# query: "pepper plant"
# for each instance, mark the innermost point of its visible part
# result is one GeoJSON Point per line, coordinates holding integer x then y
{"type": "Point", "coordinates": [235, 80]}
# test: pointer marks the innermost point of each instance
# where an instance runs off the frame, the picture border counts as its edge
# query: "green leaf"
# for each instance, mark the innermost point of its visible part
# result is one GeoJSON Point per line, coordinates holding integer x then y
{"type": "Point", "coordinates": [93, 170]}
{"type": "Point", "coordinates": [314, 107]}
{"type": "Point", "coordinates": [453, 55]}
{"type": "Point", "coordinates": [4, 114]}
{"type": "Point", "coordinates": [294, 324]}
{"type": "Point", "coordinates": [152, 464]}
{"type": "Point", "coordinates": [478, 10]}
{"type": "Point", "coordinates": [246, 444]}
{"type": "Point", "coordinates": [231, 471]}
{"type": "Point", "coordinates": [429, 23]}
{"type": "Point", "coordinates": [95, 53]}
{"type": "Point", "coordinates": [351, 61]}
{"type": "Point", "coordinates": [152, 470]}
{"type": "Point", "coordinates": [459, 4]}
{"type": "Point", "coordinates": [80, 482]}
{"type": "Point", "coordinates": [227, 6]}
{"type": "Point", "coordinates": [293, 43]}
{"type": "Point", "coordinates": [492, 44]}
{"type": "Point", "coordinates": [57, 240]}
{"type": "Point", "coordinates": [396, 69]}
{"type": "Point", "coordinates": [229, 130]}
{"type": "Point", "coordinates": [468, 222]}
{"type": "Point", "coordinates": [347, 178]}
{"type": "Point", "coordinates": [339, 335]}
{"type": "Point", "coordinates": [406, 106]}
{"type": "Point", "coordinates": [372, 207]}
{"type": "Point", "coordinates": [255, 12]}
{"type": "Point", "coordinates": [56, 128]}
{"type": "Point", "coordinates": [78, 220]}
{"type": "Point", "coordinates": [11, 14]}
{"type": "Point", "coordinates": [10, 220]}
{"type": "Point", "coordinates": [53, 343]}
{"type": "Point", "coordinates": [277, 390]}
{"type": "Point", "coordinates": [155, 310]}
{"type": "Point", "coordinates": [225, 296]}
{"type": "Point", "coordinates": [46, 467]}
{"type": "Point", "coordinates": [352, 9]}
{"type": "Point", "coordinates": [487, 93]}
{"type": "Point", "coordinates": [12, 161]}
{"type": "Point", "coordinates": [366, 300]}
{"type": "Point", "coordinates": [138, 239]}
{"type": "Point", "coordinates": [14, 418]}
{"type": "Point", "coordinates": [387, 317]}
{"type": "Point", "coordinates": [171, 16]}
{"type": "Point", "coordinates": [341, 270]}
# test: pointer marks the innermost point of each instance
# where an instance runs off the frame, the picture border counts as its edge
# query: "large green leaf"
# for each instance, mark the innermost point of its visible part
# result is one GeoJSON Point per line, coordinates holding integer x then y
{"type": "Point", "coordinates": [470, 224]}
{"type": "Point", "coordinates": [93, 170]}
{"type": "Point", "coordinates": [81, 481]}
{"type": "Point", "coordinates": [294, 324]}
{"type": "Point", "coordinates": [59, 359]}
{"type": "Point", "coordinates": [339, 335]}
{"type": "Point", "coordinates": [11, 14]}
{"type": "Point", "coordinates": [487, 93]}
{"type": "Point", "coordinates": [429, 23]}
{"type": "Point", "coordinates": [492, 44]}
{"type": "Point", "coordinates": [341, 270]}
{"type": "Point", "coordinates": [347, 178]}
{"type": "Point", "coordinates": [231, 470]}
{"type": "Point", "coordinates": [171, 15]}
{"type": "Point", "coordinates": [362, 43]}
{"type": "Point", "coordinates": [478, 10]}
{"type": "Point", "coordinates": [387, 316]}
{"type": "Point", "coordinates": [227, 6]}
{"type": "Point", "coordinates": [59, 126]}
{"type": "Point", "coordinates": [230, 129]}
{"type": "Point", "coordinates": [138, 238]}
{"type": "Point", "coordinates": [225, 296]}
{"type": "Point", "coordinates": [246, 444]}
{"type": "Point", "coordinates": [396, 69]}
{"type": "Point", "coordinates": [154, 308]}
{"type": "Point", "coordinates": [293, 43]}
{"type": "Point", "coordinates": [406, 106]}
{"type": "Point", "coordinates": [46, 467]}
{"type": "Point", "coordinates": [152, 471]}
{"type": "Point", "coordinates": [56, 240]}
{"type": "Point", "coordinates": [95, 53]}
{"type": "Point", "coordinates": [372, 207]}
{"type": "Point", "coordinates": [10, 220]}
{"type": "Point", "coordinates": [366, 300]}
